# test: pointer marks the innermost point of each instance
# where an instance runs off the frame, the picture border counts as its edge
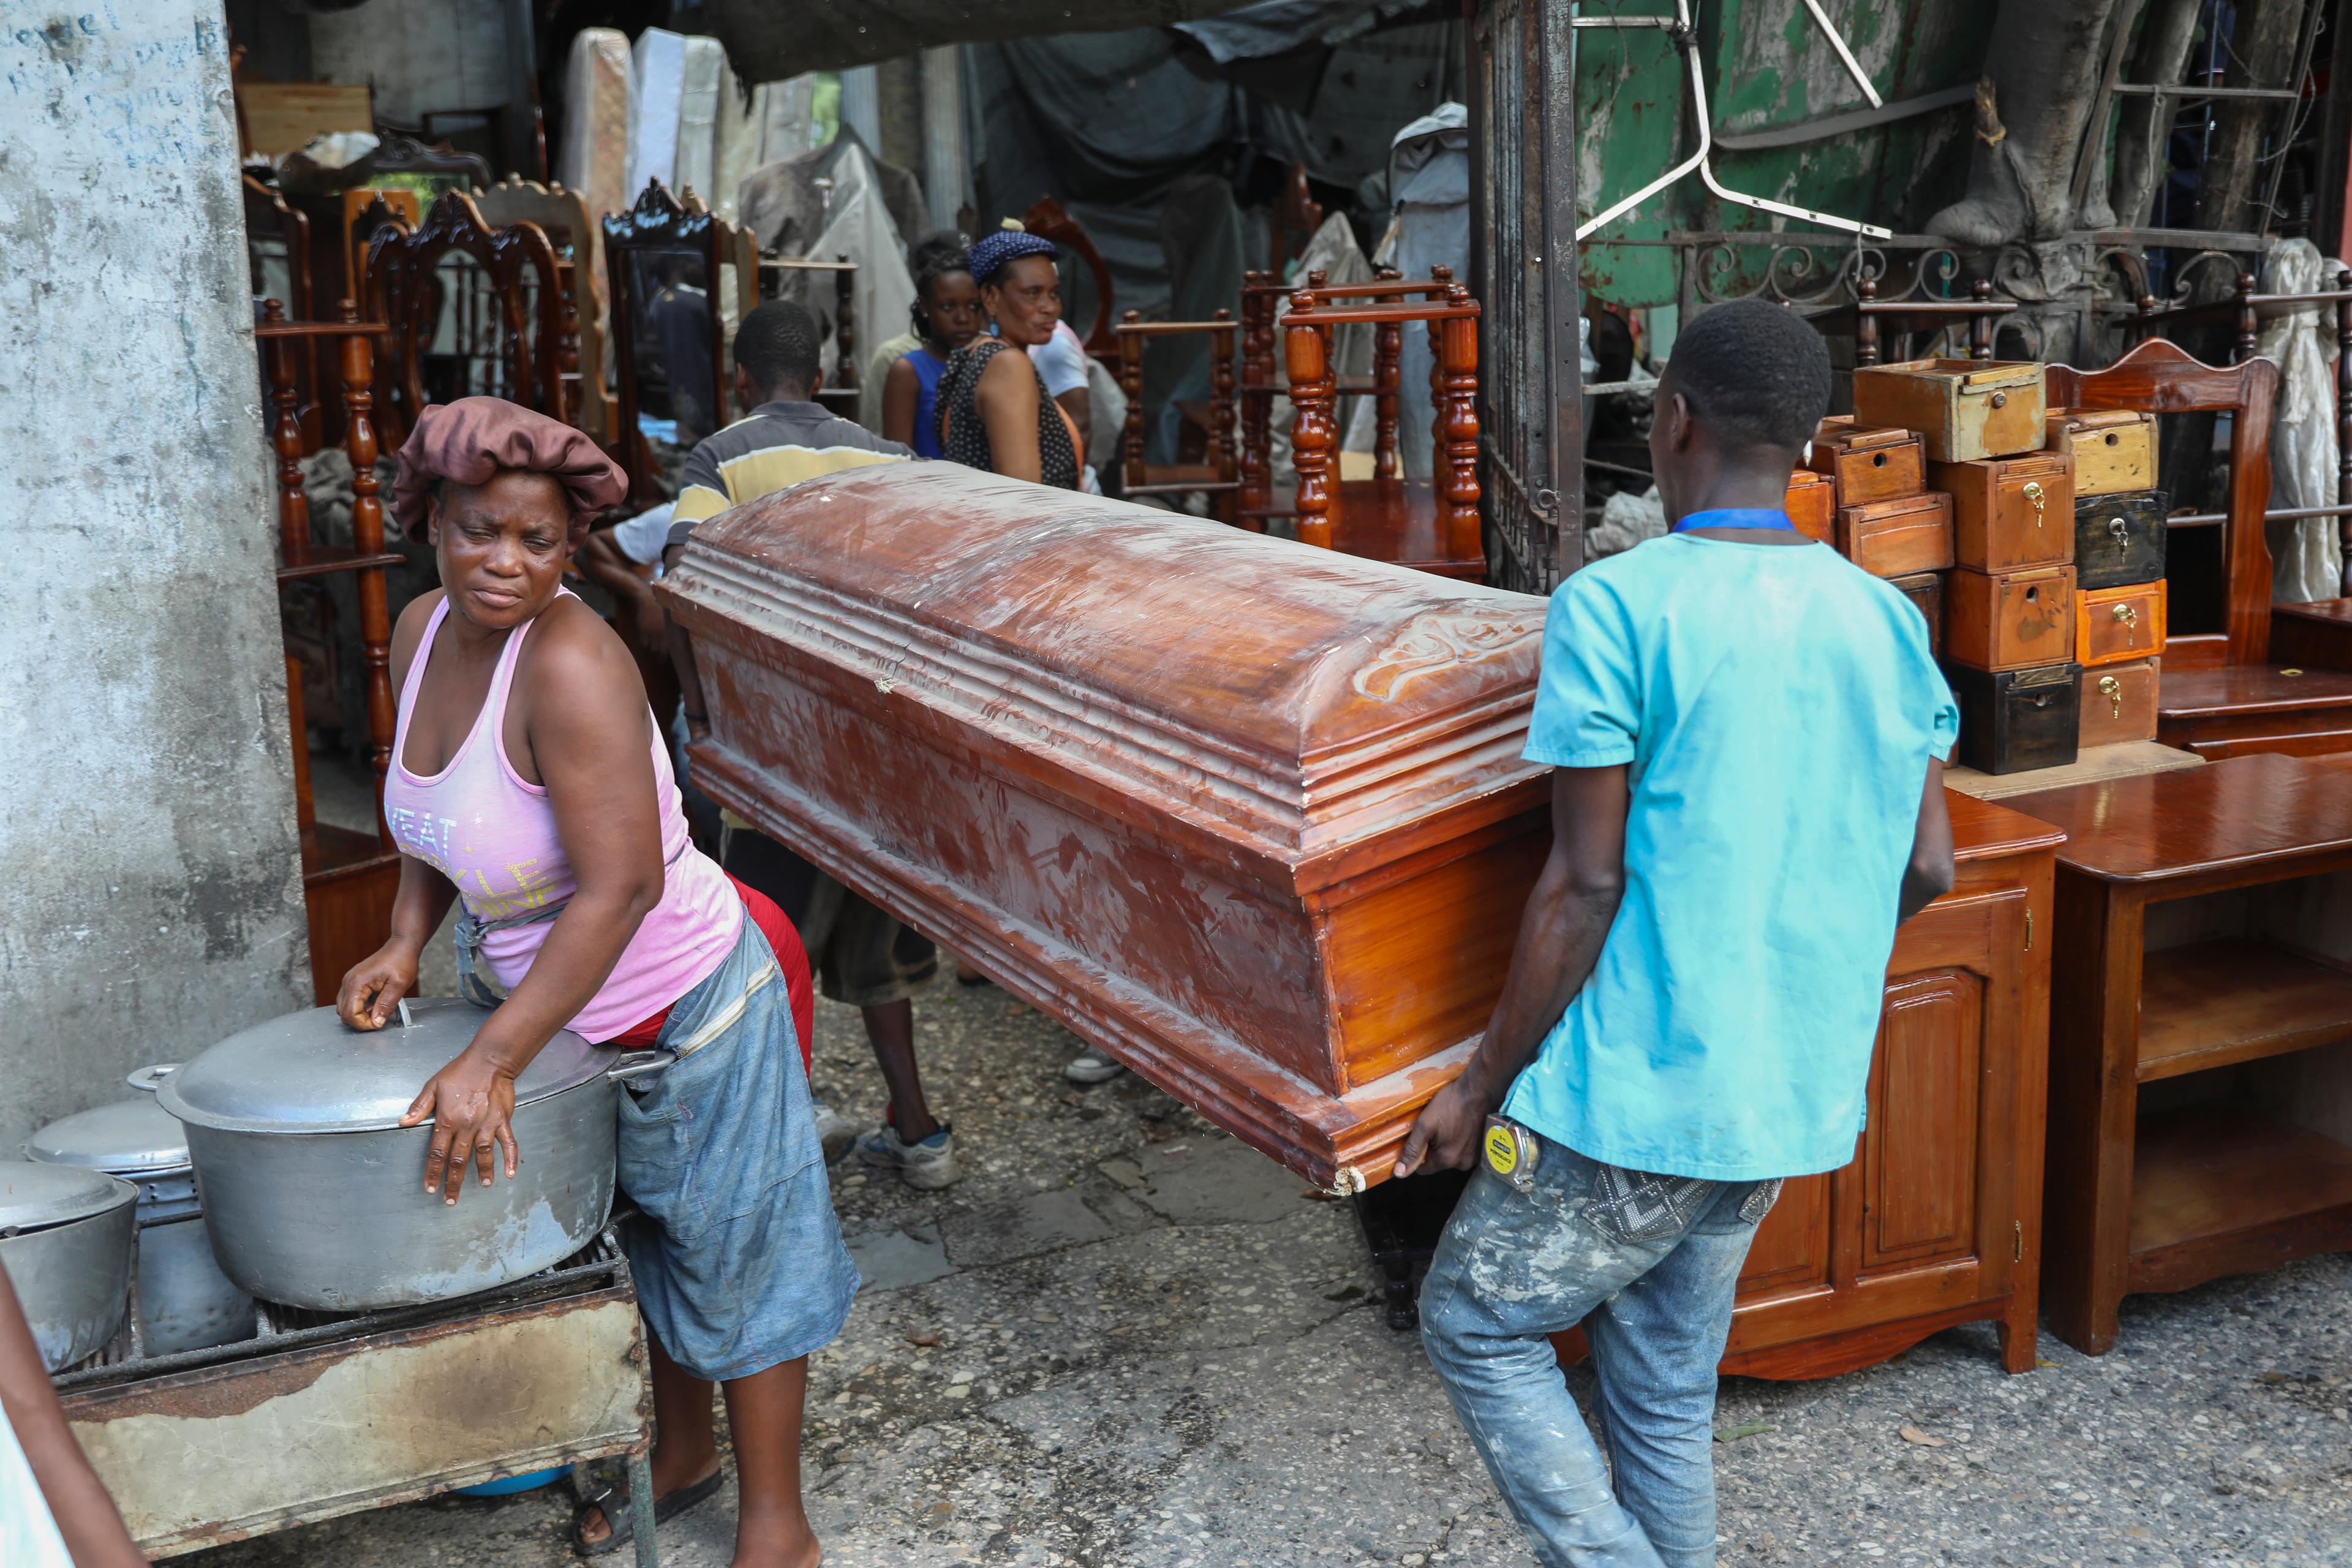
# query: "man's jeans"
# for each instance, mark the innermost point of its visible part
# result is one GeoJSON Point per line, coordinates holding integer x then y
{"type": "Point", "coordinates": [1652, 1260]}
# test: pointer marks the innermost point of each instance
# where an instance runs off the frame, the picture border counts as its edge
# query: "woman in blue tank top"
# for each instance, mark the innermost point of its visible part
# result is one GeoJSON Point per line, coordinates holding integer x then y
{"type": "Point", "coordinates": [947, 316]}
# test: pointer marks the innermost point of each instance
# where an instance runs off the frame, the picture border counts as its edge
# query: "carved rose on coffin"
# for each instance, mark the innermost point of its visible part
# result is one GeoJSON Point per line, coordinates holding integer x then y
{"type": "Point", "coordinates": [1434, 643]}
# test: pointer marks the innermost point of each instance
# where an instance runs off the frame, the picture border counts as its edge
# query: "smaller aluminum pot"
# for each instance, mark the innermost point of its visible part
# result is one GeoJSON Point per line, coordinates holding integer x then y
{"type": "Point", "coordinates": [185, 1302]}
{"type": "Point", "coordinates": [315, 1195]}
{"type": "Point", "coordinates": [64, 1244]}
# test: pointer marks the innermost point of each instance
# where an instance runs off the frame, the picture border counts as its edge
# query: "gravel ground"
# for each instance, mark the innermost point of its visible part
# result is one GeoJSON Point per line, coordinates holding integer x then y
{"type": "Point", "coordinates": [1153, 1348]}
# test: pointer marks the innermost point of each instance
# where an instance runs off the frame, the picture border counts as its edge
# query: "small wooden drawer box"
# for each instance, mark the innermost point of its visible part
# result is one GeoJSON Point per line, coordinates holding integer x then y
{"type": "Point", "coordinates": [1963, 409]}
{"type": "Point", "coordinates": [1870, 465]}
{"type": "Point", "coordinates": [2113, 449]}
{"type": "Point", "coordinates": [2112, 624]}
{"type": "Point", "coordinates": [2009, 512]}
{"type": "Point", "coordinates": [1811, 505]}
{"type": "Point", "coordinates": [2119, 539]}
{"type": "Point", "coordinates": [1926, 592]}
{"type": "Point", "coordinates": [2120, 702]}
{"type": "Point", "coordinates": [1897, 537]}
{"type": "Point", "coordinates": [2013, 720]}
{"type": "Point", "coordinates": [2010, 620]}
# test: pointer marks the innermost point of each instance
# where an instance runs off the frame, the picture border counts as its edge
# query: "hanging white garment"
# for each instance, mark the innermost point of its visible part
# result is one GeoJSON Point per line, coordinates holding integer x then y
{"type": "Point", "coordinates": [2306, 559]}
{"type": "Point", "coordinates": [859, 226]}
{"type": "Point", "coordinates": [28, 1535]}
{"type": "Point", "coordinates": [656, 86]}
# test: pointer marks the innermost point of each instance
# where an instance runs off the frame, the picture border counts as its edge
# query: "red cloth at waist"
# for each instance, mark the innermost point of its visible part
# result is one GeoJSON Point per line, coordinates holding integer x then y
{"type": "Point", "coordinates": [790, 957]}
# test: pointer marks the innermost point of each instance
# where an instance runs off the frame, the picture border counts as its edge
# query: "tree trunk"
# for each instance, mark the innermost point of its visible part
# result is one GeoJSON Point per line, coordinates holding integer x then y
{"type": "Point", "coordinates": [2041, 72]}
{"type": "Point", "coordinates": [2237, 170]}
{"type": "Point", "coordinates": [2162, 58]}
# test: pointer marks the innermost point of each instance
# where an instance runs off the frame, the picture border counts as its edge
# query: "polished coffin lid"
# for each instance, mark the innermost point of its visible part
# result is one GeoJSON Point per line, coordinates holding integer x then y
{"type": "Point", "coordinates": [39, 1197]}
{"type": "Point", "coordinates": [310, 1072]}
{"type": "Point", "coordinates": [1294, 701]}
{"type": "Point", "coordinates": [133, 1137]}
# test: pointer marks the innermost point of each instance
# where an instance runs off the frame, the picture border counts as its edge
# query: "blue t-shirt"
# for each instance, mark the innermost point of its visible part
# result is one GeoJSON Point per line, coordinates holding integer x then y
{"type": "Point", "coordinates": [1779, 707]}
{"type": "Point", "coordinates": [928, 368]}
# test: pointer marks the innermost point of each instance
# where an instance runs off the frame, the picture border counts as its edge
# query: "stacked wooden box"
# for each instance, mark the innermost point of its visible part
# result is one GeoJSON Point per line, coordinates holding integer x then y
{"type": "Point", "coordinates": [1865, 493]}
{"type": "Point", "coordinates": [2042, 660]}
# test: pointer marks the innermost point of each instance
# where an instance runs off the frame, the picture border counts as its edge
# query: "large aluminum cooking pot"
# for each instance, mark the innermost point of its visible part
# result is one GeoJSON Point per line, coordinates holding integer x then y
{"type": "Point", "coordinates": [315, 1195]}
{"type": "Point", "coordinates": [65, 1242]}
{"type": "Point", "coordinates": [185, 1302]}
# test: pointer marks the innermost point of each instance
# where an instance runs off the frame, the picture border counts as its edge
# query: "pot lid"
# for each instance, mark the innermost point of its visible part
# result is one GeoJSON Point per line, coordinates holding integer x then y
{"type": "Point", "coordinates": [130, 1138]}
{"type": "Point", "coordinates": [310, 1072]}
{"type": "Point", "coordinates": [37, 1197]}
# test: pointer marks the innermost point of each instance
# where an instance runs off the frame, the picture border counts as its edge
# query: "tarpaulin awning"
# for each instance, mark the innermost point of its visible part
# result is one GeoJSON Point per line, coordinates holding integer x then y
{"type": "Point", "coordinates": [767, 41]}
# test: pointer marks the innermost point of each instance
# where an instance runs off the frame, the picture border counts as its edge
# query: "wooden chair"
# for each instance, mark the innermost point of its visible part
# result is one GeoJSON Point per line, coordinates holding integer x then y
{"type": "Point", "coordinates": [509, 330]}
{"type": "Point", "coordinates": [1216, 476]}
{"type": "Point", "coordinates": [277, 236]}
{"type": "Point", "coordinates": [1048, 219]}
{"type": "Point", "coordinates": [658, 226]}
{"type": "Point", "coordinates": [349, 878]}
{"type": "Point", "coordinates": [563, 217]}
{"type": "Point", "coordinates": [1869, 319]}
{"type": "Point", "coordinates": [841, 389]}
{"type": "Point", "coordinates": [1260, 294]}
{"type": "Point", "coordinates": [1431, 525]}
{"type": "Point", "coordinates": [2274, 679]}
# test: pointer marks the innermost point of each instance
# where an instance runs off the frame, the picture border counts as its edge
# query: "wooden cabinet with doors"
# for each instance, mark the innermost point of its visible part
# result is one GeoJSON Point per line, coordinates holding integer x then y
{"type": "Point", "coordinates": [1937, 1219]}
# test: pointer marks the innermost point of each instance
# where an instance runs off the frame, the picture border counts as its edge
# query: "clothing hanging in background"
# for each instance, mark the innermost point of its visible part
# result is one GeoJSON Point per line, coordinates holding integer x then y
{"type": "Point", "coordinates": [594, 158]}
{"type": "Point", "coordinates": [2306, 554]}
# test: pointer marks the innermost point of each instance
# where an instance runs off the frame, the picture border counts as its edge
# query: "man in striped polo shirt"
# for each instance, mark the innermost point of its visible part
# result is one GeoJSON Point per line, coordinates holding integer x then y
{"type": "Point", "coordinates": [862, 955]}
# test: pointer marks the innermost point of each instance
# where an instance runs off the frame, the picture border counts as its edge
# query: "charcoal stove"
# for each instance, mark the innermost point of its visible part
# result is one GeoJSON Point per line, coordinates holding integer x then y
{"type": "Point", "coordinates": [319, 1416]}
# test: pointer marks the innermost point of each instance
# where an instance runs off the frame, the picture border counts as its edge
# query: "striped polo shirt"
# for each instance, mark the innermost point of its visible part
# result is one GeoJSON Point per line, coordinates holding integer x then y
{"type": "Point", "coordinates": [777, 444]}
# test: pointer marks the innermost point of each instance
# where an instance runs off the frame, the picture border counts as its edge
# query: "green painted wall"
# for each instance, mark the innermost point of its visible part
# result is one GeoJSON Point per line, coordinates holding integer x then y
{"type": "Point", "coordinates": [1766, 63]}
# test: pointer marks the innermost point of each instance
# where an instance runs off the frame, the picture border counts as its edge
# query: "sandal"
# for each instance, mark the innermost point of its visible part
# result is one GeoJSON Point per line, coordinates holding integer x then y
{"type": "Point", "coordinates": [611, 1500]}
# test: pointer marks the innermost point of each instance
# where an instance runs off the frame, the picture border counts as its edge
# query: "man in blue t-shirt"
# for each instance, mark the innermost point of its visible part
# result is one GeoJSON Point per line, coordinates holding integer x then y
{"type": "Point", "coordinates": [1747, 800]}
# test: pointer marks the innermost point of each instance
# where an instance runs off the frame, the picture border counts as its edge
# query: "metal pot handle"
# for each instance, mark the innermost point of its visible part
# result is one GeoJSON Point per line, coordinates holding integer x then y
{"type": "Point", "coordinates": [637, 1064]}
{"type": "Point", "coordinates": [151, 1079]}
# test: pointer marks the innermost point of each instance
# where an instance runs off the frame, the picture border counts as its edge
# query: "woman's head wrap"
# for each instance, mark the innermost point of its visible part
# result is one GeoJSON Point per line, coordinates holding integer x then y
{"type": "Point", "coordinates": [990, 255]}
{"type": "Point", "coordinates": [471, 439]}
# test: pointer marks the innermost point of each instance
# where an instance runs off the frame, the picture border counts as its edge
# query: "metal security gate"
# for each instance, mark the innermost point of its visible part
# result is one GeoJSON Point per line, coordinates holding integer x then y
{"type": "Point", "coordinates": [1523, 257]}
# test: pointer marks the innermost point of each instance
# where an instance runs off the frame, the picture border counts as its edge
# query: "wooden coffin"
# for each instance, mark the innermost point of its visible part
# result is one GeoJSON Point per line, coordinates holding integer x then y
{"type": "Point", "coordinates": [1963, 409]}
{"type": "Point", "coordinates": [2010, 620]}
{"type": "Point", "coordinates": [1868, 465]}
{"type": "Point", "coordinates": [1897, 538]}
{"type": "Point", "coordinates": [1811, 505]}
{"type": "Point", "coordinates": [2120, 539]}
{"type": "Point", "coordinates": [2113, 449]}
{"type": "Point", "coordinates": [2013, 720]}
{"type": "Point", "coordinates": [1248, 815]}
{"type": "Point", "coordinates": [2009, 512]}
{"type": "Point", "coordinates": [2120, 702]}
{"type": "Point", "coordinates": [2112, 624]}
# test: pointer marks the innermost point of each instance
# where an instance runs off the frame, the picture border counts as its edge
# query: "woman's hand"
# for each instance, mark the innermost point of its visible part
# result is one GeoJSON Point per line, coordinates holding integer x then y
{"type": "Point", "coordinates": [471, 1102]}
{"type": "Point", "coordinates": [374, 986]}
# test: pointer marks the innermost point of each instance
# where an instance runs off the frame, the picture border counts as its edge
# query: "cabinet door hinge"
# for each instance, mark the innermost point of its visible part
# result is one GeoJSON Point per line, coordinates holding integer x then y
{"type": "Point", "coordinates": [2029, 931]}
{"type": "Point", "coordinates": [2018, 1254]}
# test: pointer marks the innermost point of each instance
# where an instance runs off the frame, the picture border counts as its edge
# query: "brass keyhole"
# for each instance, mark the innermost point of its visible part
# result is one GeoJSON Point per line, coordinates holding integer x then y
{"type": "Point", "coordinates": [2120, 530]}
{"type": "Point", "coordinates": [2113, 690]}
{"type": "Point", "coordinates": [2131, 617]}
{"type": "Point", "coordinates": [2041, 502]}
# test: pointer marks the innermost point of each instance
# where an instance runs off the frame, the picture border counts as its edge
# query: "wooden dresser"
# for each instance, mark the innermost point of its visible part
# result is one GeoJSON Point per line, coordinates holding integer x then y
{"type": "Point", "coordinates": [2198, 946]}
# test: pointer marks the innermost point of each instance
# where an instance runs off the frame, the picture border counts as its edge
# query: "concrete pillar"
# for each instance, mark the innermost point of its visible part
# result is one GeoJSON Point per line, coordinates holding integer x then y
{"type": "Point", "coordinates": [861, 106]}
{"type": "Point", "coordinates": [946, 167]}
{"type": "Point", "coordinates": [150, 898]}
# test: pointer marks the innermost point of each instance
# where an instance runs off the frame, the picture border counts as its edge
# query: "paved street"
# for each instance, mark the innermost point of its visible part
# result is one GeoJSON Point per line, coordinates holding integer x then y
{"type": "Point", "coordinates": [1152, 1348]}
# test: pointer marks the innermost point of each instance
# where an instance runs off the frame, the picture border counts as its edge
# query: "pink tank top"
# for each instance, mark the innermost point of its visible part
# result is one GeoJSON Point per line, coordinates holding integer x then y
{"type": "Point", "coordinates": [492, 835]}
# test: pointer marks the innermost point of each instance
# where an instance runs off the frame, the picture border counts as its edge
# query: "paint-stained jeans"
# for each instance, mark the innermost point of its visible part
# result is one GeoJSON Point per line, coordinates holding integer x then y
{"type": "Point", "coordinates": [1647, 1264]}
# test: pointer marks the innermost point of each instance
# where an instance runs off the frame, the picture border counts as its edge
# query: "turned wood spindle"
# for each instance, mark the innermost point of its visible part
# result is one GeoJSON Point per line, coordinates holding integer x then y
{"type": "Point", "coordinates": [1865, 321]}
{"type": "Point", "coordinates": [1388, 384]}
{"type": "Point", "coordinates": [286, 439]}
{"type": "Point", "coordinates": [1981, 323]}
{"type": "Point", "coordinates": [1221, 411]}
{"type": "Point", "coordinates": [2249, 325]}
{"type": "Point", "coordinates": [1460, 455]}
{"type": "Point", "coordinates": [1130, 381]}
{"type": "Point", "coordinates": [567, 347]}
{"type": "Point", "coordinates": [367, 539]}
{"type": "Point", "coordinates": [1308, 352]}
{"type": "Point", "coordinates": [845, 328]}
{"type": "Point", "coordinates": [1257, 401]}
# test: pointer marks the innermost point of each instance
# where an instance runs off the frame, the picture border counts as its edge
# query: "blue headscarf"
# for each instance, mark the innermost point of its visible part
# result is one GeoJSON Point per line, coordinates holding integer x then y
{"type": "Point", "coordinates": [990, 255]}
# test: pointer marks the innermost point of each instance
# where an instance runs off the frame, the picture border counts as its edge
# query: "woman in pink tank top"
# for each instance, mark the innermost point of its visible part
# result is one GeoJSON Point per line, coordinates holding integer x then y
{"type": "Point", "coordinates": [529, 779]}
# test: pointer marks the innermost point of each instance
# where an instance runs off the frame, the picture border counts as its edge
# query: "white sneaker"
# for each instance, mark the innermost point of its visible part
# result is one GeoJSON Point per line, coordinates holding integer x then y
{"type": "Point", "coordinates": [926, 1166]}
{"type": "Point", "coordinates": [836, 1131]}
{"type": "Point", "coordinates": [1090, 1066]}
